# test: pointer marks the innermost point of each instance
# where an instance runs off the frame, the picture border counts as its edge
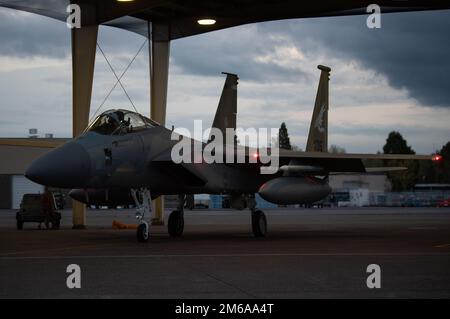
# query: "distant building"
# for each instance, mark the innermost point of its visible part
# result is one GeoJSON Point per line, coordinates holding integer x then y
{"type": "Point", "coordinates": [371, 182]}
{"type": "Point", "coordinates": [14, 161]}
{"type": "Point", "coordinates": [357, 189]}
{"type": "Point", "coordinates": [33, 133]}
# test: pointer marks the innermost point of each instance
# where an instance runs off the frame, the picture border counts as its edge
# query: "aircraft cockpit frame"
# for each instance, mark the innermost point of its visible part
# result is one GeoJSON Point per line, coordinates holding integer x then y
{"type": "Point", "coordinates": [120, 122]}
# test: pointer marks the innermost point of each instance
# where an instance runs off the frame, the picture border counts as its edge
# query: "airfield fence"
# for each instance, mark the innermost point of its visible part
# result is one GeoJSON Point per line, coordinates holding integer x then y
{"type": "Point", "coordinates": [408, 199]}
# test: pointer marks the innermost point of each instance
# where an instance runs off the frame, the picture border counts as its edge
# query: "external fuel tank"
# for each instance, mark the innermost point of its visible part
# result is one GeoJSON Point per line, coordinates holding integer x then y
{"type": "Point", "coordinates": [291, 190]}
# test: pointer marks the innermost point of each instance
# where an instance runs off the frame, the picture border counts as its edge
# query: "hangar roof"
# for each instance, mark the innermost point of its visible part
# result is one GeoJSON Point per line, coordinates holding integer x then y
{"type": "Point", "coordinates": [182, 15]}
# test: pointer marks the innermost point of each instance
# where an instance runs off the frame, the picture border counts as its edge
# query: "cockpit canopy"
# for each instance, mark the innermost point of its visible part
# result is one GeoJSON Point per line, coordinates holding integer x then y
{"type": "Point", "coordinates": [120, 122]}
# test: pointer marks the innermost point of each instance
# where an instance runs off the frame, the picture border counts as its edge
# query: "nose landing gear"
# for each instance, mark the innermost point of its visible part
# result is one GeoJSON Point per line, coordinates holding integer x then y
{"type": "Point", "coordinates": [143, 200]}
{"type": "Point", "coordinates": [176, 219]}
{"type": "Point", "coordinates": [143, 232]}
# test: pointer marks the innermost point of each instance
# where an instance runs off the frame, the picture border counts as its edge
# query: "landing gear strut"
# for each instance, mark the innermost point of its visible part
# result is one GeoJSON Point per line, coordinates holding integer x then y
{"type": "Point", "coordinates": [259, 221]}
{"type": "Point", "coordinates": [176, 219]}
{"type": "Point", "coordinates": [143, 201]}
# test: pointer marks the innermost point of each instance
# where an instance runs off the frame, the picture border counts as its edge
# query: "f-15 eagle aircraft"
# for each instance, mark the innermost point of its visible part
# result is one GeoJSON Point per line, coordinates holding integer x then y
{"type": "Point", "coordinates": [130, 156]}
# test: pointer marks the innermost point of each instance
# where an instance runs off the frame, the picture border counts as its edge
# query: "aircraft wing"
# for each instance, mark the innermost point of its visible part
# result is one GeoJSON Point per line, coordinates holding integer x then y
{"type": "Point", "coordinates": [330, 163]}
{"type": "Point", "coordinates": [297, 154]}
{"type": "Point", "coordinates": [340, 163]}
{"type": "Point", "coordinates": [310, 162]}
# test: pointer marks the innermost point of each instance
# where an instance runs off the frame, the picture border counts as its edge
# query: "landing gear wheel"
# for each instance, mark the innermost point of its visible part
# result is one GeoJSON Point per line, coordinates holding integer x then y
{"type": "Point", "coordinates": [176, 224]}
{"type": "Point", "coordinates": [19, 224]}
{"type": "Point", "coordinates": [143, 200]}
{"type": "Point", "coordinates": [259, 224]}
{"type": "Point", "coordinates": [142, 233]}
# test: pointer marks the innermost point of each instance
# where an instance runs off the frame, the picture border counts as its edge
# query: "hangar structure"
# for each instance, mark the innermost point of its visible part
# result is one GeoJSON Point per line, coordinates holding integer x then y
{"type": "Point", "coordinates": [165, 20]}
{"type": "Point", "coordinates": [16, 156]}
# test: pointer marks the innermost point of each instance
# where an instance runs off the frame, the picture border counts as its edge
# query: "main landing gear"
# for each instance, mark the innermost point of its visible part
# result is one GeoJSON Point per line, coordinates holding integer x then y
{"type": "Point", "coordinates": [176, 219]}
{"type": "Point", "coordinates": [143, 200]}
{"type": "Point", "coordinates": [259, 221]}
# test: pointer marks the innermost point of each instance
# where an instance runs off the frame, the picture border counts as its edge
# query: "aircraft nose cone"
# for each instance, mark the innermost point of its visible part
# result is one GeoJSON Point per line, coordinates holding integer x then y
{"type": "Point", "coordinates": [68, 166]}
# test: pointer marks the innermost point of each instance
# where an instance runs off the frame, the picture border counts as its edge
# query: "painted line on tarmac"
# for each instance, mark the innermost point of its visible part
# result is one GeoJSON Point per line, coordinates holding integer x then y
{"type": "Point", "coordinates": [418, 254]}
{"type": "Point", "coordinates": [56, 249]}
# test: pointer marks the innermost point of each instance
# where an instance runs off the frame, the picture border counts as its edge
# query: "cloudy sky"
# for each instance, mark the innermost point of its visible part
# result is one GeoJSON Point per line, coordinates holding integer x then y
{"type": "Point", "coordinates": [393, 78]}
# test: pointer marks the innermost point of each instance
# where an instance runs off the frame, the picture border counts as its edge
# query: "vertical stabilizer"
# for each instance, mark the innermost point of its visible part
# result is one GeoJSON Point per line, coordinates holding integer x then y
{"type": "Point", "coordinates": [227, 109]}
{"type": "Point", "coordinates": [318, 131]}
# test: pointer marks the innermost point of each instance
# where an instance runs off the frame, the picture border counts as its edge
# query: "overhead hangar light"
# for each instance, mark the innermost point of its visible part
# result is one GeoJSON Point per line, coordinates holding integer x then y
{"type": "Point", "coordinates": [206, 21]}
{"type": "Point", "coordinates": [124, 0]}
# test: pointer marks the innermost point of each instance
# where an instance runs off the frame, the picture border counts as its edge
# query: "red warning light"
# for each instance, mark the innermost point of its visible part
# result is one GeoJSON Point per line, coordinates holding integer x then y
{"type": "Point", "coordinates": [437, 158]}
{"type": "Point", "coordinates": [255, 155]}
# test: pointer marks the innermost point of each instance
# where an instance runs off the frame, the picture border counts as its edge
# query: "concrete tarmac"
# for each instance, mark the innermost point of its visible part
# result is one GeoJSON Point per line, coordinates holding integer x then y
{"type": "Point", "coordinates": [309, 253]}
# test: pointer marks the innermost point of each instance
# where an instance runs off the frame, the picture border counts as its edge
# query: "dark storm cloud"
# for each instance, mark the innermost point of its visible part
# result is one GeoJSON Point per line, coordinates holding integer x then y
{"type": "Point", "coordinates": [234, 50]}
{"type": "Point", "coordinates": [411, 49]}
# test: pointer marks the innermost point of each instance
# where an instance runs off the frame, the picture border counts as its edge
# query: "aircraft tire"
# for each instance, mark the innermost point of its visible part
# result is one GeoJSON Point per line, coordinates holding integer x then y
{"type": "Point", "coordinates": [259, 224]}
{"type": "Point", "coordinates": [142, 233]}
{"type": "Point", "coordinates": [176, 224]}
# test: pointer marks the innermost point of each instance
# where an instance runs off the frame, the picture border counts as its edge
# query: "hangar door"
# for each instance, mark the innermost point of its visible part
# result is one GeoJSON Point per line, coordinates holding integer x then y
{"type": "Point", "coordinates": [22, 185]}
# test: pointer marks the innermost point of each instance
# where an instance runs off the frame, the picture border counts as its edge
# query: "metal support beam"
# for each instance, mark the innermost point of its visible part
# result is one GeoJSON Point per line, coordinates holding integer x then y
{"type": "Point", "coordinates": [84, 45]}
{"type": "Point", "coordinates": [159, 77]}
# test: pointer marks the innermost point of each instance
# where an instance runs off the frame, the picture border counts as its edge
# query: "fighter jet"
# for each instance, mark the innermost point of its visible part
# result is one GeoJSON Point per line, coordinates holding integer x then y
{"type": "Point", "coordinates": [123, 150]}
